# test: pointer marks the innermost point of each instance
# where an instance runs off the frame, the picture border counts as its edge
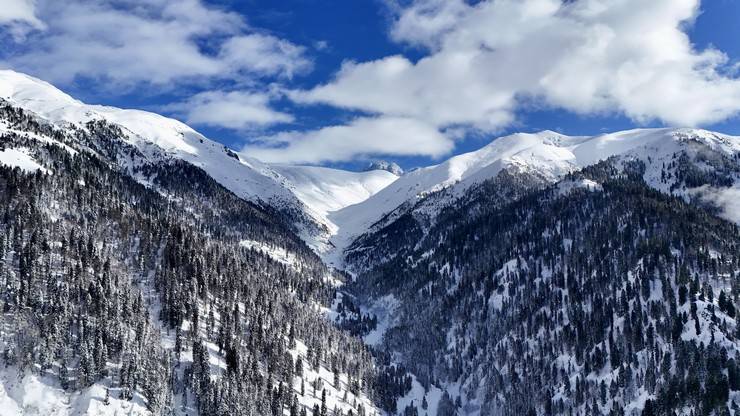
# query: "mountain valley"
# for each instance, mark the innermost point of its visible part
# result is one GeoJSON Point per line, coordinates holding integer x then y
{"type": "Point", "coordinates": [148, 269]}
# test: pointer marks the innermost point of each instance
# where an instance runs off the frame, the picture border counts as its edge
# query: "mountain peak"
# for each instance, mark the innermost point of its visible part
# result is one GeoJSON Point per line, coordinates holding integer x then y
{"type": "Point", "coordinates": [385, 165]}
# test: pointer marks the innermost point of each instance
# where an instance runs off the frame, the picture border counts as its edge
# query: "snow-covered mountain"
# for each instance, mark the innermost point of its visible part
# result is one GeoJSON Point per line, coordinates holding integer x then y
{"type": "Point", "coordinates": [312, 191]}
{"type": "Point", "coordinates": [528, 277]}
{"type": "Point", "coordinates": [550, 156]}
{"type": "Point", "coordinates": [247, 178]}
{"type": "Point", "coordinates": [489, 273]}
{"type": "Point", "coordinates": [326, 190]}
{"type": "Point", "coordinates": [338, 206]}
{"type": "Point", "coordinates": [137, 242]}
{"type": "Point", "coordinates": [391, 167]}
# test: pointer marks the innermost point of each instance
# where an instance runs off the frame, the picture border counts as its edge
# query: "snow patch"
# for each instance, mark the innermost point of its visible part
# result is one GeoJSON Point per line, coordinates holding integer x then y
{"type": "Point", "coordinates": [33, 395]}
{"type": "Point", "coordinates": [19, 158]}
{"type": "Point", "coordinates": [279, 254]}
{"type": "Point", "coordinates": [385, 310]}
{"type": "Point", "coordinates": [416, 397]}
{"type": "Point", "coordinates": [566, 187]}
{"type": "Point", "coordinates": [337, 396]}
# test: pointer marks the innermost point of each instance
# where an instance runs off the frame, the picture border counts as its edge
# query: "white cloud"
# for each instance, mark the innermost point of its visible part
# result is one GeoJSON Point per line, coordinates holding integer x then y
{"type": "Point", "coordinates": [238, 110]}
{"type": "Point", "coordinates": [129, 42]}
{"type": "Point", "coordinates": [445, 89]}
{"type": "Point", "coordinates": [264, 54]}
{"type": "Point", "coordinates": [726, 199]}
{"type": "Point", "coordinates": [362, 137]}
{"type": "Point", "coordinates": [19, 16]}
{"type": "Point", "coordinates": [423, 22]}
{"type": "Point", "coordinates": [588, 56]}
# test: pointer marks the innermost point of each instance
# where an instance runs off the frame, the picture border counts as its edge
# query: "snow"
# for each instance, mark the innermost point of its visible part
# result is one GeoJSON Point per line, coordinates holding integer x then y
{"type": "Point", "coordinates": [334, 394]}
{"type": "Point", "coordinates": [566, 187]}
{"type": "Point", "coordinates": [33, 395]}
{"type": "Point", "coordinates": [709, 330]}
{"type": "Point", "coordinates": [279, 254]}
{"type": "Point", "coordinates": [19, 158]}
{"type": "Point", "coordinates": [325, 190]}
{"type": "Point", "coordinates": [384, 309]}
{"type": "Point", "coordinates": [5, 128]}
{"type": "Point", "coordinates": [416, 396]}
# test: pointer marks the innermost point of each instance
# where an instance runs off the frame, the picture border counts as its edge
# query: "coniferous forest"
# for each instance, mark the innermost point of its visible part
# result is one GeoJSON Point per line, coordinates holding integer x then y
{"type": "Point", "coordinates": [148, 290]}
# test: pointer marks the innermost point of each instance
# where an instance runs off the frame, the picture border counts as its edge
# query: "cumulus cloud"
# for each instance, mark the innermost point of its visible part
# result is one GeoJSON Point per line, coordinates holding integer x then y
{"type": "Point", "coordinates": [362, 137]}
{"type": "Point", "coordinates": [238, 110]}
{"type": "Point", "coordinates": [265, 54]}
{"type": "Point", "coordinates": [129, 42]}
{"type": "Point", "coordinates": [19, 16]}
{"type": "Point", "coordinates": [486, 59]}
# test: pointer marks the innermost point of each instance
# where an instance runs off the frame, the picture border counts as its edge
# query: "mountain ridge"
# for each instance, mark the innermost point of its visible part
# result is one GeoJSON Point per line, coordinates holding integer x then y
{"type": "Point", "coordinates": [547, 154]}
{"type": "Point", "coordinates": [345, 205]}
{"type": "Point", "coordinates": [247, 177]}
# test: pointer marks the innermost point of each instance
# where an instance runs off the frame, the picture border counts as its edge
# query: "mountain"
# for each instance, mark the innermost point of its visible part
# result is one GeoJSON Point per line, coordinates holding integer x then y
{"type": "Point", "coordinates": [148, 270]}
{"type": "Point", "coordinates": [299, 193]}
{"type": "Point", "coordinates": [706, 168]}
{"type": "Point", "coordinates": [547, 274]}
{"type": "Point", "coordinates": [325, 190]}
{"type": "Point", "coordinates": [595, 295]}
{"type": "Point", "coordinates": [391, 167]}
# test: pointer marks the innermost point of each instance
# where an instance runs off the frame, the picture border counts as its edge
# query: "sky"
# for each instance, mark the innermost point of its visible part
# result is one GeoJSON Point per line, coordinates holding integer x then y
{"type": "Point", "coordinates": [340, 83]}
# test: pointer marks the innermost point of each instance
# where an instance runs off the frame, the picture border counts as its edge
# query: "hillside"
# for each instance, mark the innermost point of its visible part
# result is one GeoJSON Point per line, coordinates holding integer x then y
{"type": "Point", "coordinates": [597, 295]}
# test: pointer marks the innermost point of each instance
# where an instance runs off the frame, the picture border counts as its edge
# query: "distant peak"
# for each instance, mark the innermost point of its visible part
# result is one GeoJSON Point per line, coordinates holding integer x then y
{"type": "Point", "coordinates": [548, 133]}
{"type": "Point", "coordinates": [391, 167]}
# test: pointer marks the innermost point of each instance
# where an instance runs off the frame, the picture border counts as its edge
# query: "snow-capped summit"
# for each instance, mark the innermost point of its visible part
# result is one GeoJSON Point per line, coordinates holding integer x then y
{"type": "Point", "coordinates": [385, 165]}
{"type": "Point", "coordinates": [247, 177]}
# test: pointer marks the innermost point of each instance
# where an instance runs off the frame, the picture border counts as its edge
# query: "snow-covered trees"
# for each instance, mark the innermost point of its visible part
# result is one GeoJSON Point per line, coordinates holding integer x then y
{"type": "Point", "coordinates": [148, 291]}
{"type": "Point", "coordinates": [581, 302]}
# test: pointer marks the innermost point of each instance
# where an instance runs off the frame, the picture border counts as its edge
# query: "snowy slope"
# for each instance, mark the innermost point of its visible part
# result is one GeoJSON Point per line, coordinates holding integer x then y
{"type": "Point", "coordinates": [247, 178]}
{"type": "Point", "coordinates": [548, 154]}
{"type": "Point", "coordinates": [32, 395]}
{"type": "Point", "coordinates": [326, 190]}
{"type": "Point", "coordinates": [20, 159]}
{"type": "Point", "coordinates": [478, 165]}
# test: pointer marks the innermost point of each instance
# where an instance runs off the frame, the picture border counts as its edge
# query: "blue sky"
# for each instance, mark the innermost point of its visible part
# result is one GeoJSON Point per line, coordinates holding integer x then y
{"type": "Point", "coordinates": [415, 81]}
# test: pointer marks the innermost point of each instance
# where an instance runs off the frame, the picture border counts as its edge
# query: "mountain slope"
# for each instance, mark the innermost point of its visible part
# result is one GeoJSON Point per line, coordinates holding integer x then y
{"type": "Point", "coordinates": [305, 194]}
{"type": "Point", "coordinates": [595, 295]}
{"type": "Point", "coordinates": [687, 162]}
{"type": "Point", "coordinates": [325, 190]}
{"type": "Point", "coordinates": [120, 297]}
{"type": "Point", "coordinates": [150, 133]}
